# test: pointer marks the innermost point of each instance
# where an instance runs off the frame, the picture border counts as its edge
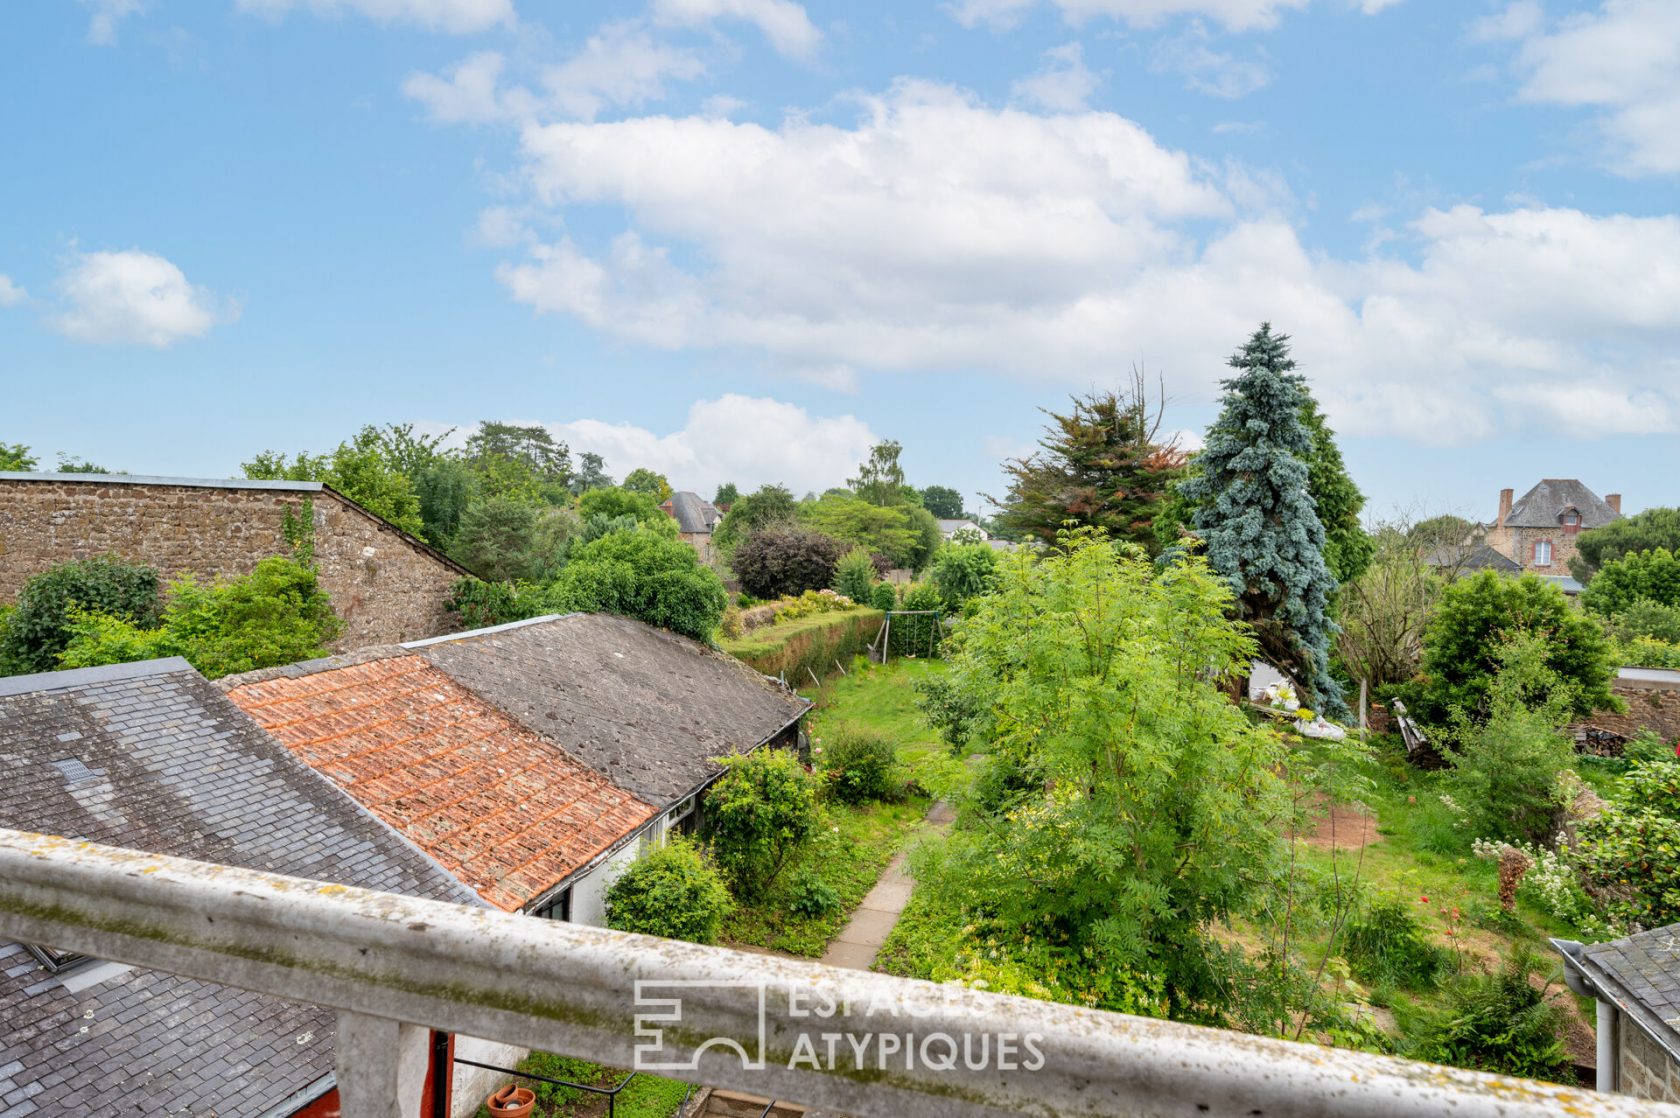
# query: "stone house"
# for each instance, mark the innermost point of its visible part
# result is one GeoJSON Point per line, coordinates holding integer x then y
{"type": "Point", "coordinates": [697, 518]}
{"type": "Point", "coordinates": [385, 584]}
{"type": "Point", "coordinates": [1538, 532]}
{"type": "Point", "coordinates": [1636, 982]}
{"type": "Point", "coordinates": [152, 756]}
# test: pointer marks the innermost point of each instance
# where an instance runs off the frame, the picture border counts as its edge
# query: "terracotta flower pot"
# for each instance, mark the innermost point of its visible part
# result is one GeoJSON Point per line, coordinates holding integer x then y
{"type": "Point", "coordinates": [511, 1102]}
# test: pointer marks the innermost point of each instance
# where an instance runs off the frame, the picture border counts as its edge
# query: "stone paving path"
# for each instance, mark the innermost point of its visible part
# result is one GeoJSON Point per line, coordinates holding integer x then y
{"type": "Point", "coordinates": [860, 941]}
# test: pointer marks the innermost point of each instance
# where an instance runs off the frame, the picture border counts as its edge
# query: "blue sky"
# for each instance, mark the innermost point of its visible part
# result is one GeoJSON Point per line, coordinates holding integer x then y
{"type": "Point", "coordinates": [742, 239]}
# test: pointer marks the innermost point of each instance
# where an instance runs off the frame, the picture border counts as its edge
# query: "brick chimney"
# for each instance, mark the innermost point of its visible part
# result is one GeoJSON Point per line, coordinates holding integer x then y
{"type": "Point", "coordinates": [1614, 500]}
{"type": "Point", "coordinates": [1505, 496]}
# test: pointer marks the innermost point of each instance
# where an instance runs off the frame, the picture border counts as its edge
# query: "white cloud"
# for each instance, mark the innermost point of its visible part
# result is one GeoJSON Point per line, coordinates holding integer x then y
{"type": "Point", "coordinates": [1623, 59]}
{"type": "Point", "coordinates": [11, 293]}
{"type": "Point", "coordinates": [1064, 85]}
{"type": "Point", "coordinates": [1206, 70]}
{"type": "Point", "coordinates": [1515, 21]}
{"type": "Point", "coordinates": [134, 298]}
{"type": "Point", "coordinates": [102, 25]}
{"type": "Point", "coordinates": [938, 233]}
{"type": "Point", "coordinates": [457, 17]}
{"type": "Point", "coordinates": [783, 22]}
{"type": "Point", "coordinates": [1233, 15]}
{"type": "Point", "coordinates": [748, 440]}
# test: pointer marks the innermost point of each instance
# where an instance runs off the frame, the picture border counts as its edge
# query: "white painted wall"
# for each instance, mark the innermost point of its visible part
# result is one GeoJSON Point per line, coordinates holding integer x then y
{"type": "Point", "coordinates": [589, 893]}
{"type": "Point", "coordinates": [472, 1086]}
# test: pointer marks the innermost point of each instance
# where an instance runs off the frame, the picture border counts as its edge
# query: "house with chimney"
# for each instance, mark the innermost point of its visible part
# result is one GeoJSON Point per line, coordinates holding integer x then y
{"type": "Point", "coordinates": [697, 518]}
{"type": "Point", "coordinates": [1537, 532]}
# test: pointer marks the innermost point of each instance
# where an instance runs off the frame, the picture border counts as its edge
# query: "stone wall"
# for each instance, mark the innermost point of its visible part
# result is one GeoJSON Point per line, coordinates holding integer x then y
{"type": "Point", "coordinates": [386, 586]}
{"type": "Point", "coordinates": [1650, 706]}
{"type": "Point", "coordinates": [1646, 1071]}
{"type": "Point", "coordinates": [1518, 544]}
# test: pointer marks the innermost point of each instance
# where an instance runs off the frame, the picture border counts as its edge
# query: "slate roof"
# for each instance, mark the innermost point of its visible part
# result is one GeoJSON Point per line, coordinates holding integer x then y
{"type": "Point", "coordinates": [153, 756]}
{"type": "Point", "coordinates": [500, 807]}
{"type": "Point", "coordinates": [693, 513]}
{"type": "Point", "coordinates": [645, 707]}
{"type": "Point", "coordinates": [1477, 558]}
{"type": "Point", "coordinates": [1541, 506]}
{"type": "Point", "coordinates": [1642, 973]}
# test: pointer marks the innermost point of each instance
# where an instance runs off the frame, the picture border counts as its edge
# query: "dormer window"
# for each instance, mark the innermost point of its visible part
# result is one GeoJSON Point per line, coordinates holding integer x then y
{"type": "Point", "coordinates": [1542, 553]}
{"type": "Point", "coordinates": [1571, 521]}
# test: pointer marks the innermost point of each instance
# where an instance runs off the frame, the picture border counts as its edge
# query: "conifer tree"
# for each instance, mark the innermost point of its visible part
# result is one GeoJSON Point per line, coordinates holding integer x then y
{"type": "Point", "coordinates": [1259, 521]}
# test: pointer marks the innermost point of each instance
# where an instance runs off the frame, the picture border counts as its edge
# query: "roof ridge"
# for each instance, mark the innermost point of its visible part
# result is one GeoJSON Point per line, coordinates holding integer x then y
{"type": "Point", "coordinates": [68, 678]}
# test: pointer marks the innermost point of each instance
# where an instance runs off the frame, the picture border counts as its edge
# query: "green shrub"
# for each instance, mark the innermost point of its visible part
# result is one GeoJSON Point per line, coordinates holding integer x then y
{"type": "Point", "coordinates": [854, 575]}
{"type": "Point", "coordinates": [1652, 576]}
{"type": "Point", "coordinates": [948, 708]}
{"type": "Point", "coordinates": [884, 597]}
{"type": "Point", "coordinates": [480, 604]}
{"type": "Point", "coordinates": [960, 573]}
{"type": "Point", "coordinates": [1386, 946]}
{"type": "Point", "coordinates": [670, 891]}
{"type": "Point", "coordinates": [809, 646]}
{"type": "Point", "coordinates": [1647, 619]}
{"type": "Point", "coordinates": [1629, 854]}
{"type": "Point", "coordinates": [1500, 1023]}
{"type": "Point", "coordinates": [1646, 652]}
{"type": "Point", "coordinates": [1648, 745]}
{"type": "Point", "coordinates": [785, 559]}
{"type": "Point", "coordinates": [860, 766]}
{"type": "Point", "coordinates": [812, 897]}
{"type": "Point", "coordinates": [644, 574]}
{"type": "Point", "coordinates": [809, 604]}
{"type": "Point", "coordinates": [761, 811]}
{"type": "Point", "coordinates": [42, 624]}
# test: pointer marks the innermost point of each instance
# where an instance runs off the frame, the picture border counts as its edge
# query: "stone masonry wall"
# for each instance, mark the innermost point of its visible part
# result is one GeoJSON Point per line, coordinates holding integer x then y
{"type": "Point", "coordinates": [386, 587]}
{"type": "Point", "coordinates": [1650, 706]}
{"type": "Point", "coordinates": [1646, 1071]}
{"type": "Point", "coordinates": [1518, 544]}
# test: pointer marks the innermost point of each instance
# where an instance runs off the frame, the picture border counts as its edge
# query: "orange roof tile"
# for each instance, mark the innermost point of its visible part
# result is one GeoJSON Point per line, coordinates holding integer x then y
{"type": "Point", "coordinates": [502, 809]}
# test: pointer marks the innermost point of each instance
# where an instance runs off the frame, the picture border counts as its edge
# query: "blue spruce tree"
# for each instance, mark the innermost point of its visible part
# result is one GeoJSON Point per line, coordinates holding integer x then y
{"type": "Point", "coordinates": [1258, 519]}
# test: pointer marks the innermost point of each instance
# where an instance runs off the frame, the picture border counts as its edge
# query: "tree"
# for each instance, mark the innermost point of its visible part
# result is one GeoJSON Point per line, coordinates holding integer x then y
{"type": "Point", "coordinates": [1477, 615]}
{"type": "Point", "coordinates": [446, 488]}
{"type": "Point", "coordinates": [671, 891]}
{"type": "Point", "coordinates": [69, 464]}
{"type": "Point", "coordinates": [649, 484]}
{"type": "Point", "coordinates": [1258, 519]}
{"type": "Point", "coordinates": [759, 812]}
{"type": "Point", "coordinates": [768, 505]}
{"type": "Point", "coordinates": [614, 501]}
{"type": "Point", "coordinates": [964, 572]}
{"type": "Point", "coordinates": [854, 575]}
{"type": "Point", "coordinates": [1104, 465]}
{"type": "Point", "coordinates": [1338, 501]}
{"type": "Point", "coordinates": [1645, 531]}
{"type": "Point", "coordinates": [786, 559]}
{"type": "Point", "coordinates": [47, 605]}
{"type": "Point", "coordinates": [1438, 532]}
{"type": "Point", "coordinates": [880, 479]}
{"type": "Point", "coordinates": [277, 614]}
{"type": "Point", "coordinates": [726, 495]}
{"type": "Point", "coordinates": [1384, 612]}
{"type": "Point", "coordinates": [645, 574]}
{"type": "Point", "coordinates": [503, 540]}
{"type": "Point", "coordinates": [1650, 576]}
{"type": "Point", "coordinates": [359, 470]}
{"type": "Point", "coordinates": [944, 502]}
{"type": "Point", "coordinates": [591, 473]}
{"type": "Point", "coordinates": [928, 538]}
{"type": "Point", "coordinates": [525, 463]}
{"type": "Point", "coordinates": [889, 531]}
{"type": "Point", "coordinates": [15, 458]}
{"type": "Point", "coordinates": [1152, 813]}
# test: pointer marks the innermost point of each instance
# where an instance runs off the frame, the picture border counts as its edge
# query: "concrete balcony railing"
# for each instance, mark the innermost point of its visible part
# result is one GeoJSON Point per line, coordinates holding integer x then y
{"type": "Point", "coordinates": [848, 1042]}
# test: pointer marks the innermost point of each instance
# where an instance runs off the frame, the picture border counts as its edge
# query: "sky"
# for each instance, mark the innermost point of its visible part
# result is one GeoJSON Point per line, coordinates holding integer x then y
{"type": "Point", "coordinates": [742, 240]}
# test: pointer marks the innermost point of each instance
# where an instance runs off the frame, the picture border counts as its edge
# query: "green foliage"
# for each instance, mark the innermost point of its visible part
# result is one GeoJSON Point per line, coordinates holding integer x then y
{"type": "Point", "coordinates": [1102, 465]}
{"type": "Point", "coordinates": [1646, 619]}
{"type": "Point", "coordinates": [757, 815]}
{"type": "Point", "coordinates": [1155, 804]}
{"type": "Point", "coordinates": [591, 474]}
{"type": "Point", "coordinates": [880, 479]}
{"type": "Point", "coordinates": [809, 604]}
{"type": "Point", "coordinates": [524, 463]}
{"type": "Point", "coordinates": [854, 575]}
{"type": "Point", "coordinates": [796, 650]}
{"type": "Point", "coordinates": [648, 483]}
{"type": "Point", "coordinates": [1438, 532]}
{"type": "Point", "coordinates": [670, 891]}
{"type": "Point", "coordinates": [1639, 576]}
{"type": "Point", "coordinates": [358, 469]}
{"type": "Point", "coordinates": [949, 709]}
{"type": "Point", "coordinates": [1348, 549]}
{"type": "Point", "coordinates": [727, 494]}
{"type": "Point", "coordinates": [1506, 767]}
{"type": "Point", "coordinates": [615, 501]}
{"type": "Point", "coordinates": [44, 621]}
{"type": "Point", "coordinates": [1646, 652]}
{"type": "Point", "coordinates": [645, 1096]}
{"type": "Point", "coordinates": [481, 604]}
{"type": "Point", "coordinates": [503, 539]}
{"type": "Point", "coordinates": [277, 614]}
{"type": "Point", "coordinates": [1500, 1023]}
{"type": "Point", "coordinates": [812, 897]}
{"type": "Point", "coordinates": [1386, 946]}
{"type": "Point", "coordinates": [770, 504]}
{"type": "Point", "coordinates": [786, 559]}
{"type": "Point", "coordinates": [1645, 531]}
{"type": "Point", "coordinates": [890, 531]}
{"type": "Point", "coordinates": [963, 572]}
{"type": "Point", "coordinates": [943, 502]}
{"type": "Point", "coordinates": [1384, 612]}
{"type": "Point", "coordinates": [15, 458]}
{"type": "Point", "coordinates": [446, 488]}
{"type": "Point", "coordinates": [1629, 855]}
{"type": "Point", "coordinates": [70, 464]}
{"type": "Point", "coordinates": [860, 766]}
{"type": "Point", "coordinates": [644, 574]}
{"type": "Point", "coordinates": [1477, 615]}
{"type": "Point", "coordinates": [884, 596]}
{"type": "Point", "coordinates": [917, 634]}
{"type": "Point", "coordinates": [1259, 520]}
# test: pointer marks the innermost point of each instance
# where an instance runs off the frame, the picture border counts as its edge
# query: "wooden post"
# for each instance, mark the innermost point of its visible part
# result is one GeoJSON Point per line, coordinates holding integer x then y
{"type": "Point", "coordinates": [1364, 696]}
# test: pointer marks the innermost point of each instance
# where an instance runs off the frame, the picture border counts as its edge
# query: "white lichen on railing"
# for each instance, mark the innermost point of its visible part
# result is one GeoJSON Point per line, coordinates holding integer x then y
{"type": "Point", "coordinates": [860, 1044]}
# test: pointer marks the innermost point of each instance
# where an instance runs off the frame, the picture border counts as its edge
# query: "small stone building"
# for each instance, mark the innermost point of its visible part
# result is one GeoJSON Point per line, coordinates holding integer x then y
{"type": "Point", "coordinates": [1636, 982]}
{"type": "Point", "coordinates": [697, 518]}
{"type": "Point", "coordinates": [1538, 532]}
{"type": "Point", "coordinates": [386, 585]}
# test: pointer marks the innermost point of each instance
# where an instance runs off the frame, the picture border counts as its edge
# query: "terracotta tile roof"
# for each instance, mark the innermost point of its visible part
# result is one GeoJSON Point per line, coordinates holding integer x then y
{"type": "Point", "coordinates": [504, 810]}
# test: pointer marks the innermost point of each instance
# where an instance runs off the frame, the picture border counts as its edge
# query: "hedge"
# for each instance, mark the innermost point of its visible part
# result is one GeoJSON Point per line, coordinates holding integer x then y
{"type": "Point", "coordinates": [810, 644]}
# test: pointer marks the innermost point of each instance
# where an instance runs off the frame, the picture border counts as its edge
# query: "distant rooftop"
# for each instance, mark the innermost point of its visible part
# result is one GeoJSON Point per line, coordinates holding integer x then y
{"type": "Point", "coordinates": [1541, 506]}
{"type": "Point", "coordinates": [693, 513]}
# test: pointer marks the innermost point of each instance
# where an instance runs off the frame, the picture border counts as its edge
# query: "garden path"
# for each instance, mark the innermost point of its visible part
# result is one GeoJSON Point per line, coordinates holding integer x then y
{"type": "Point", "coordinates": [860, 941]}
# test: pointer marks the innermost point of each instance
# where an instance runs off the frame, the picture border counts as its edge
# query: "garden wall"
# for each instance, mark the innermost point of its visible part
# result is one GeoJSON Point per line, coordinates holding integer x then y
{"type": "Point", "coordinates": [1652, 704]}
{"type": "Point", "coordinates": [792, 649]}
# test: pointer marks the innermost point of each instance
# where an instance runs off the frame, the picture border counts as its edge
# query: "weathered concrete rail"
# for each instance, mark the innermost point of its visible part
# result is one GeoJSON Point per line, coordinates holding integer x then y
{"type": "Point", "coordinates": [394, 966]}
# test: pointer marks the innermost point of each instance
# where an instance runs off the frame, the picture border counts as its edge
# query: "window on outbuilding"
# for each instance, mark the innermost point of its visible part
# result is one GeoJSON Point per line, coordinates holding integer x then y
{"type": "Point", "coordinates": [1542, 553]}
{"type": "Point", "coordinates": [559, 907]}
{"type": "Point", "coordinates": [54, 959]}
